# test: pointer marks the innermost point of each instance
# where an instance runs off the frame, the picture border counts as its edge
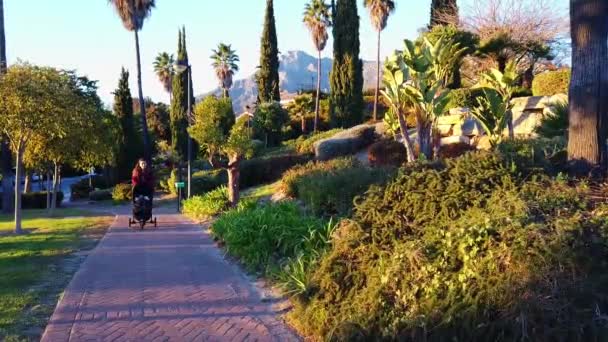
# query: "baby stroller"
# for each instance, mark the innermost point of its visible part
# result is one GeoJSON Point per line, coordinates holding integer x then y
{"type": "Point", "coordinates": [142, 209]}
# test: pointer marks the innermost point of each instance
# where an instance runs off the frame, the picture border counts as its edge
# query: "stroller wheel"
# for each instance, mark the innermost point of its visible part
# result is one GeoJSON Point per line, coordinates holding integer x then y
{"type": "Point", "coordinates": [155, 225]}
{"type": "Point", "coordinates": [141, 225]}
{"type": "Point", "coordinates": [130, 222]}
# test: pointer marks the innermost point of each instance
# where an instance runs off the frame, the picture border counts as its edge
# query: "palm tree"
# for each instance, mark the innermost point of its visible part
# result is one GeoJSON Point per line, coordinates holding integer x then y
{"type": "Point", "coordinates": [133, 13]}
{"type": "Point", "coordinates": [225, 63]}
{"type": "Point", "coordinates": [317, 20]}
{"type": "Point", "coordinates": [164, 69]}
{"type": "Point", "coordinates": [588, 94]}
{"type": "Point", "coordinates": [379, 11]}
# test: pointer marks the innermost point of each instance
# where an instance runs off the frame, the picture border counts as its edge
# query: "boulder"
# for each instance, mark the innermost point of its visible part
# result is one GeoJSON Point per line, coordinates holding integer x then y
{"type": "Point", "coordinates": [345, 143]}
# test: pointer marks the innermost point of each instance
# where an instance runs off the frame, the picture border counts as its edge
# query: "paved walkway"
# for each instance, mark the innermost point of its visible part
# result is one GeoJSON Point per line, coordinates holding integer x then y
{"type": "Point", "coordinates": [165, 284]}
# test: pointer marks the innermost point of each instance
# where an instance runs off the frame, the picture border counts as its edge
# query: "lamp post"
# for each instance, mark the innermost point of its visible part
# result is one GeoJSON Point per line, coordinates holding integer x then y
{"type": "Point", "coordinates": [181, 68]}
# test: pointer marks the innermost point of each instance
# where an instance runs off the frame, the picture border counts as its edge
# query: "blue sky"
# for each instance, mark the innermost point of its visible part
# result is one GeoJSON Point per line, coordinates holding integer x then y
{"type": "Point", "coordinates": [87, 35]}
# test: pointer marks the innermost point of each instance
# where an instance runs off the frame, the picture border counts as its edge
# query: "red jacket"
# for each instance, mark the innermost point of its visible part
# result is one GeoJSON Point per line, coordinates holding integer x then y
{"type": "Point", "coordinates": [143, 179]}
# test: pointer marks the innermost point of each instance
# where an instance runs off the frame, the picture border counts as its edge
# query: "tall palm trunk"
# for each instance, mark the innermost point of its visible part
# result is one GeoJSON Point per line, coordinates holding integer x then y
{"type": "Point", "coordinates": [588, 85]}
{"type": "Point", "coordinates": [377, 79]}
{"type": "Point", "coordinates": [5, 152]}
{"type": "Point", "coordinates": [142, 108]}
{"type": "Point", "coordinates": [317, 101]}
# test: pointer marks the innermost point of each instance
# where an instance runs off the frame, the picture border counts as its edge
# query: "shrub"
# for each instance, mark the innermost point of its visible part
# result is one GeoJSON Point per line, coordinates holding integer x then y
{"type": "Point", "coordinates": [81, 189]}
{"type": "Point", "coordinates": [263, 236]}
{"type": "Point", "coordinates": [258, 171]}
{"type": "Point", "coordinates": [550, 83]}
{"type": "Point", "coordinates": [387, 152]}
{"type": "Point", "coordinates": [555, 123]}
{"type": "Point", "coordinates": [455, 150]}
{"type": "Point", "coordinates": [535, 155]}
{"type": "Point", "coordinates": [328, 188]}
{"type": "Point", "coordinates": [465, 97]}
{"type": "Point", "coordinates": [345, 143]}
{"type": "Point", "coordinates": [306, 144]}
{"type": "Point", "coordinates": [463, 251]}
{"type": "Point", "coordinates": [37, 200]}
{"type": "Point", "coordinates": [101, 195]}
{"type": "Point", "coordinates": [288, 182]}
{"type": "Point", "coordinates": [122, 192]}
{"type": "Point", "coordinates": [207, 206]}
{"type": "Point", "coordinates": [205, 181]}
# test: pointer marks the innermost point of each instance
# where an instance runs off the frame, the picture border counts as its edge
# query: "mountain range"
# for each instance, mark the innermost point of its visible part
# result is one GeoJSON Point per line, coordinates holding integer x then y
{"type": "Point", "coordinates": [297, 72]}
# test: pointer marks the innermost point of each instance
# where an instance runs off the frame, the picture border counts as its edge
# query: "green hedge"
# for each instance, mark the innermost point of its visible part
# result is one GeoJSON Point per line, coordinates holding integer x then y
{"type": "Point", "coordinates": [101, 195]}
{"type": "Point", "coordinates": [36, 200]}
{"type": "Point", "coordinates": [81, 189]}
{"type": "Point", "coordinates": [551, 83]}
{"type": "Point", "coordinates": [122, 192]}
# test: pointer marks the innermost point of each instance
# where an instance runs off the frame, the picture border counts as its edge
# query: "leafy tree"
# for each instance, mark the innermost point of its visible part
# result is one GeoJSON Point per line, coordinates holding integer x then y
{"type": "Point", "coordinates": [268, 73]}
{"type": "Point", "coordinates": [179, 100]}
{"type": "Point", "coordinates": [346, 78]}
{"type": "Point", "coordinates": [215, 130]}
{"type": "Point", "coordinates": [225, 64]}
{"type": "Point", "coordinates": [415, 80]}
{"type": "Point", "coordinates": [589, 81]}
{"type": "Point", "coordinates": [33, 101]}
{"type": "Point", "coordinates": [379, 11]}
{"type": "Point", "coordinates": [213, 119]}
{"type": "Point", "coordinates": [317, 20]}
{"type": "Point", "coordinates": [133, 13]}
{"type": "Point", "coordinates": [443, 12]}
{"type": "Point", "coordinates": [128, 142]}
{"type": "Point", "coordinates": [164, 69]}
{"type": "Point", "coordinates": [158, 120]}
{"type": "Point", "coordinates": [301, 107]}
{"type": "Point", "coordinates": [269, 119]}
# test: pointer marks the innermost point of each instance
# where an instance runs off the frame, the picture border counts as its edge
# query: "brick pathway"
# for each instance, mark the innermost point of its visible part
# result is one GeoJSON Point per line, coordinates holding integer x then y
{"type": "Point", "coordinates": [164, 284]}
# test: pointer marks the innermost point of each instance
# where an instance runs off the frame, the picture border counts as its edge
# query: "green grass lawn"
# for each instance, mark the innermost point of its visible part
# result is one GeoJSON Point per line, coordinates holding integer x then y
{"type": "Point", "coordinates": [36, 267]}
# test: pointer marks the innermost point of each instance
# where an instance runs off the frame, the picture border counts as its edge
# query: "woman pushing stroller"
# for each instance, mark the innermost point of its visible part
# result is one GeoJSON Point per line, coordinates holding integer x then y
{"type": "Point", "coordinates": [142, 180]}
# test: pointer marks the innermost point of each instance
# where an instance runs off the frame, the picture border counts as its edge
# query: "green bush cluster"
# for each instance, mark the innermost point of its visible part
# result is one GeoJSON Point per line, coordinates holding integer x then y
{"type": "Point", "coordinates": [387, 152]}
{"type": "Point", "coordinates": [463, 250]}
{"type": "Point", "coordinates": [258, 171]}
{"type": "Point", "coordinates": [328, 188]}
{"type": "Point", "coordinates": [101, 195]}
{"type": "Point", "coordinates": [550, 83]}
{"type": "Point", "coordinates": [535, 155]}
{"type": "Point", "coordinates": [36, 200]}
{"type": "Point", "coordinates": [465, 97]}
{"type": "Point", "coordinates": [208, 205]}
{"type": "Point", "coordinates": [82, 188]}
{"type": "Point", "coordinates": [122, 192]}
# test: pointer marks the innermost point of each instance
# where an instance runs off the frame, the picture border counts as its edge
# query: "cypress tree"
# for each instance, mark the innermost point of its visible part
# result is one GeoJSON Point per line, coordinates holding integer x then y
{"type": "Point", "coordinates": [268, 74]}
{"type": "Point", "coordinates": [123, 109]}
{"type": "Point", "coordinates": [179, 101]}
{"type": "Point", "coordinates": [443, 12]}
{"type": "Point", "coordinates": [346, 79]}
